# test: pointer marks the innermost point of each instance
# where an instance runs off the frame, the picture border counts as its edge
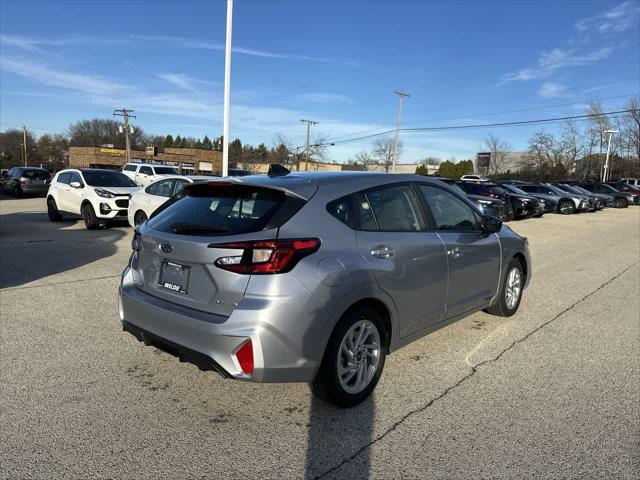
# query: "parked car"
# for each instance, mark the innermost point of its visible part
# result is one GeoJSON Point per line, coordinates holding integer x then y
{"type": "Point", "coordinates": [26, 181]}
{"type": "Point", "coordinates": [146, 201]}
{"type": "Point", "coordinates": [144, 174]}
{"type": "Point", "coordinates": [238, 172]}
{"type": "Point", "coordinates": [599, 201]}
{"type": "Point", "coordinates": [628, 189]}
{"type": "Point", "coordinates": [493, 207]}
{"type": "Point", "coordinates": [97, 195]}
{"type": "Point", "coordinates": [552, 203]}
{"type": "Point", "coordinates": [314, 277]}
{"type": "Point", "coordinates": [621, 199]}
{"type": "Point", "coordinates": [523, 206]}
{"type": "Point", "coordinates": [473, 178]}
{"type": "Point", "coordinates": [569, 204]}
{"type": "Point", "coordinates": [631, 181]}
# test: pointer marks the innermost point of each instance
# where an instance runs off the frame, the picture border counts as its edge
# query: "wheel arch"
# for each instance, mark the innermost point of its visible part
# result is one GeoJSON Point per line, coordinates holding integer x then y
{"type": "Point", "coordinates": [381, 309]}
{"type": "Point", "coordinates": [523, 261]}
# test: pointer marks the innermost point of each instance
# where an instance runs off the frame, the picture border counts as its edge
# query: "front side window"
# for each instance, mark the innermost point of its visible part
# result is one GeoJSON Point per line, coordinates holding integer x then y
{"type": "Point", "coordinates": [75, 177]}
{"type": "Point", "coordinates": [64, 178]}
{"type": "Point", "coordinates": [448, 211]}
{"type": "Point", "coordinates": [395, 209]}
{"type": "Point", "coordinates": [130, 168]}
{"type": "Point", "coordinates": [146, 171]}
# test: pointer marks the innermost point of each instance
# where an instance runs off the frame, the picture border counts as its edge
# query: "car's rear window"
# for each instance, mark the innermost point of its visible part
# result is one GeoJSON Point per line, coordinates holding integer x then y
{"type": "Point", "coordinates": [205, 209]}
{"type": "Point", "coordinates": [36, 174]}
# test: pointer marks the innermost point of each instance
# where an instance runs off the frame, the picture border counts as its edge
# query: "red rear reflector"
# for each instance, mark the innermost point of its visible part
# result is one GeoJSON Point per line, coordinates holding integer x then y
{"type": "Point", "coordinates": [266, 256]}
{"type": "Point", "coordinates": [245, 357]}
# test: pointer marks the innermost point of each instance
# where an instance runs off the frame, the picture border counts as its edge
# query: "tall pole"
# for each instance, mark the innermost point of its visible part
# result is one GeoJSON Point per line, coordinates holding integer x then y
{"type": "Point", "coordinates": [401, 94]}
{"type": "Point", "coordinates": [126, 114]}
{"type": "Point", "coordinates": [309, 123]}
{"type": "Point", "coordinates": [606, 162]}
{"type": "Point", "coordinates": [227, 92]}
{"type": "Point", "coordinates": [24, 143]}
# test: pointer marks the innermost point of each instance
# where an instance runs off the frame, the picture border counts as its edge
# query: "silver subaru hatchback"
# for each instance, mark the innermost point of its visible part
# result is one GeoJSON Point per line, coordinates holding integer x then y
{"type": "Point", "coordinates": [314, 277]}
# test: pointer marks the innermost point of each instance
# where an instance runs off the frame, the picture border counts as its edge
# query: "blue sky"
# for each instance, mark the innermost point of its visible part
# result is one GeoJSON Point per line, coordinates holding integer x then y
{"type": "Point", "coordinates": [335, 62]}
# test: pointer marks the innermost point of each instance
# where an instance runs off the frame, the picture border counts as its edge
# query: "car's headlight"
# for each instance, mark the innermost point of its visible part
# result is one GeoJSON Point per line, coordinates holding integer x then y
{"type": "Point", "coordinates": [104, 193]}
{"type": "Point", "coordinates": [484, 202]}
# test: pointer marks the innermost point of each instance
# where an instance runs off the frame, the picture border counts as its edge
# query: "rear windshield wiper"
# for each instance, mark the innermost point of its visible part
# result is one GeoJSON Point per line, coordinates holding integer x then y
{"type": "Point", "coordinates": [196, 228]}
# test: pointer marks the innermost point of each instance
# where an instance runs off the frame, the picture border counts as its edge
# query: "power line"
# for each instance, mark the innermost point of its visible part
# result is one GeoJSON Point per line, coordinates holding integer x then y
{"type": "Point", "coordinates": [484, 125]}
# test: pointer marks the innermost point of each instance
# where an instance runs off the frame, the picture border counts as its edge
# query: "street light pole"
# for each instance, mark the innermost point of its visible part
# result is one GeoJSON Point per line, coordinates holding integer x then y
{"type": "Point", "coordinates": [606, 162]}
{"type": "Point", "coordinates": [227, 91]}
{"type": "Point", "coordinates": [401, 94]}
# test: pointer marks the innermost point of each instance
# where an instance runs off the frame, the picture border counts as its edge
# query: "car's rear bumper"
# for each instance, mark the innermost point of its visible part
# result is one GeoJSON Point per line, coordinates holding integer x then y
{"type": "Point", "coordinates": [280, 353]}
{"type": "Point", "coordinates": [34, 189]}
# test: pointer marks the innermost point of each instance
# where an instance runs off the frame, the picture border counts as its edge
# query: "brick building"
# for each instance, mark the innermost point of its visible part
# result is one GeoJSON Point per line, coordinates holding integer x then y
{"type": "Point", "coordinates": [190, 161]}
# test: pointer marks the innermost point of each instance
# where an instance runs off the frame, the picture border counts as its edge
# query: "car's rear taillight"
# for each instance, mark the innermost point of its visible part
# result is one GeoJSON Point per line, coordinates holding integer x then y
{"type": "Point", "coordinates": [245, 357]}
{"type": "Point", "coordinates": [265, 256]}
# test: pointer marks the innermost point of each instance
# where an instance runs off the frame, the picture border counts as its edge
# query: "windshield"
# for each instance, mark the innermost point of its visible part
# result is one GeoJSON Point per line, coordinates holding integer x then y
{"type": "Point", "coordinates": [497, 190]}
{"type": "Point", "coordinates": [107, 178]}
{"type": "Point", "coordinates": [555, 189]}
{"type": "Point", "coordinates": [166, 170]}
{"type": "Point", "coordinates": [515, 189]}
{"type": "Point", "coordinates": [574, 189]}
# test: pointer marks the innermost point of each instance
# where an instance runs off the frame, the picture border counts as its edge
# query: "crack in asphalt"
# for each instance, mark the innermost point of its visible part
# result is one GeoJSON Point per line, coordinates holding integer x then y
{"type": "Point", "coordinates": [69, 282]}
{"type": "Point", "coordinates": [472, 372]}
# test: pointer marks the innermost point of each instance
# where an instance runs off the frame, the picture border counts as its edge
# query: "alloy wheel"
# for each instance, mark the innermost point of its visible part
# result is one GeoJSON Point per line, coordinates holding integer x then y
{"type": "Point", "coordinates": [513, 288]}
{"type": "Point", "coordinates": [358, 356]}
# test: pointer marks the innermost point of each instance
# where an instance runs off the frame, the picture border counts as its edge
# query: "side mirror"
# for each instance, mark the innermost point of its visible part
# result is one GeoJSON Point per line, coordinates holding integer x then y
{"type": "Point", "coordinates": [76, 185]}
{"type": "Point", "coordinates": [490, 225]}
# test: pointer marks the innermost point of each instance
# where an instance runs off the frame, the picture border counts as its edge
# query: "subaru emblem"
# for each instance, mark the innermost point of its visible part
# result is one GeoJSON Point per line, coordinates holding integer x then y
{"type": "Point", "coordinates": [166, 247]}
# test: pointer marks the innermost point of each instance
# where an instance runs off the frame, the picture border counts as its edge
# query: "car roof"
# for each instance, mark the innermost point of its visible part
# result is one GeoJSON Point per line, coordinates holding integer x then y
{"type": "Point", "coordinates": [332, 184]}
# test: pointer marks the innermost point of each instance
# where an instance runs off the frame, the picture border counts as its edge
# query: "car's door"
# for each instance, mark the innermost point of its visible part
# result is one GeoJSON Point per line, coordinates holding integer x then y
{"type": "Point", "coordinates": [61, 191]}
{"type": "Point", "coordinates": [408, 262]}
{"type": "Point", "coordinates": [143, 175]}
{"type": "Point", "coordinates": [473, 257]}
{"type": "Point", "coordinates": [75, 195]}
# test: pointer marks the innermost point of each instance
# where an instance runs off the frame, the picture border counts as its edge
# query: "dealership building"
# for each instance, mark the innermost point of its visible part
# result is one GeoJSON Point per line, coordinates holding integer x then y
{"type": "Point", "coordinates": [190, 161]}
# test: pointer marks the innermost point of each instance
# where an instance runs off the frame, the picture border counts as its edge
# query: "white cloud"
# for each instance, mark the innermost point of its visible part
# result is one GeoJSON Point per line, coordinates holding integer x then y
{"type": "Point", "coordinates": [618, 19]}
{"type": "Point", "coordinates": [551, 61]}
{"type": "Point", "coordinates": [551, 89]}
{"type": "Point", "coordinates": [318, 97]}
{"type": "Point", "coordinates": [184, 81]}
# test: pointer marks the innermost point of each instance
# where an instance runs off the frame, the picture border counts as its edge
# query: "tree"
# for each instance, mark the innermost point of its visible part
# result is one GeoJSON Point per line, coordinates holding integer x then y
{"type": "Point", "coordinates": [383, 151]}
{"type": "Point", "coordinates": [206, 143]}
{"type": "Point", "coordinates": [425, 163]}
{"type": "Point", "coordinates": [52, 151]}
{"type": "Point", "coordinates": [365, 159]}
{"type": "Point", "coordinates": [96, 132]}
{"type": "Point", "coordinates": [168, 141]}
{"type": "Point", "coordinates": [235, 151]}
{"type": "Point", "coordinates": [448, 169]}
{"type": "Point", "coordinates": [11, 150]}
{"type": "Point", "coordinates": [177, 142]}
{"type": "Point", "coordinates": [499, 152]}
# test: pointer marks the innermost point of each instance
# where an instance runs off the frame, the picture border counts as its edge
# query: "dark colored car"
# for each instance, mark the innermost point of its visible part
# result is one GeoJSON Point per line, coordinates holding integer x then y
{"type": "Point", "coordinates": [576, 203]}
{"type": "Point", "coordinates": [523, 206]}
{"type": "Point", "coordinates": [621, 199]}
{"type": "Point", "coordinates": [628, 189]}
{"type": "Point", "coordinates": [552, 202]}
{"type": "Point", "coordinates": [26, 181]}
{"type": "Point", "coordinates": [493, 207]}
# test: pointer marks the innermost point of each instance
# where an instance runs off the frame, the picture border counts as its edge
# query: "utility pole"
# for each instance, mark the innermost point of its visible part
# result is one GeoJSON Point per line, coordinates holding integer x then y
{"type": "Point", "coordinates": [606, 162]}
{"type": "Point", "coordinates": [309, 123]}
{"type": "Point", "coordinates": [126, 114]}
{"type": "Point", "coordinates": [227, 92]}
{"type": "Point", "coordinates": [24, 143]}
{"type": "Point", "coordinates": [401, 94]}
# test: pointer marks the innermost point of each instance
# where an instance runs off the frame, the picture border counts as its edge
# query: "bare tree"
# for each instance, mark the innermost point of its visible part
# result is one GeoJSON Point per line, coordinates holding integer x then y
{"type": "Point", "coordinates": [383, 151]}
{"type": "Point", "coordinates": [499, 152]}
{"type": "Point", "coordinates": [96, 132]}
{"type": "Point", "coordinates": [365, 159]}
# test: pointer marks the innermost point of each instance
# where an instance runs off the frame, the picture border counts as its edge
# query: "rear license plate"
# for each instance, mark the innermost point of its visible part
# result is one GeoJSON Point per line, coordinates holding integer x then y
{"type": "Point", "coordinates": [174, 277]}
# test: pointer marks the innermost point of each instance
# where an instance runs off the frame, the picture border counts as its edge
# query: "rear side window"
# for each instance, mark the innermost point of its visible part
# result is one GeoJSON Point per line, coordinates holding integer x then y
{"type": "Point", "coordinates": [36, 174]}
{"type": "Point", "coordinates": [225, 210]}
{"type": "Point", "coordinates": [64, 178]}
{"type": "Point", "coordinates": [130, 168]}
{"type": "Point", "coordinates": [396, 209]}
{"type": "Point", "coordinates": [146, 170]}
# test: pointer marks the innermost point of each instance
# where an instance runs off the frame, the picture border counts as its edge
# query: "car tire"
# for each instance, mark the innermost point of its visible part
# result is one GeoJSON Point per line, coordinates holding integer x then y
{"type": "Point", "coordinates": [332, 382]}
{"type": "Point", "coordinates": [508, 300]}
{"type": "Point", "coordinates": [52, 210]}
{"type": "Point", "coordinates": [566, 207]}
{"type": "Point", "coordinates": [89, 217]}
{"type": "Point", "coordinates": [139, 217]}
{"type": "Point", "coordinates": [509, 215]}
{"type": "Point", "coordinates": [621, 203]}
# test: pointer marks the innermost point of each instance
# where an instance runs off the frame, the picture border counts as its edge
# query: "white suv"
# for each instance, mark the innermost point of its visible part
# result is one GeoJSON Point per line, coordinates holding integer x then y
{"type": "Point", "coordinates": [144, 174]}
{"type": "Point", "coordinates": [474, 178]}
{"type": "Point", "coordinates": [94, 194]}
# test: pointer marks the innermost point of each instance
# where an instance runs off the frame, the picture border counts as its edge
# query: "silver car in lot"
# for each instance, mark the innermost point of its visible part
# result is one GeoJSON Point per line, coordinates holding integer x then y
{"type": "Point", "coordinates": [314, 277]}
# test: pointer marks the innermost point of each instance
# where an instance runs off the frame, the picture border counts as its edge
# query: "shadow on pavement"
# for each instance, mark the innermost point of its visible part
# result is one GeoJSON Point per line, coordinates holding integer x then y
{"type": "Point", "coordinates": [337, 434]}
{"type": "Point", "coordinates": [32, 247]}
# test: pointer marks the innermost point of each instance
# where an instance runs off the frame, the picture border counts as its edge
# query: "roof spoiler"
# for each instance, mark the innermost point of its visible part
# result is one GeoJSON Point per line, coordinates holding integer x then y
{"type": "Point", "coordinates": [277, 170]}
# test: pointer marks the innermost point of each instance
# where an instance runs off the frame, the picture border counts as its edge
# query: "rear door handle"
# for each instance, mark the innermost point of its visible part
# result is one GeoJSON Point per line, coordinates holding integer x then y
{"type": "Point", "coordinates": [383, 251]}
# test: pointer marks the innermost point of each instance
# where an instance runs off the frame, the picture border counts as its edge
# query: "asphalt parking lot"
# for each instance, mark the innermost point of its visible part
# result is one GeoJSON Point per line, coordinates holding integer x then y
{"type": "Point", "coordinates": [552, 392]}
